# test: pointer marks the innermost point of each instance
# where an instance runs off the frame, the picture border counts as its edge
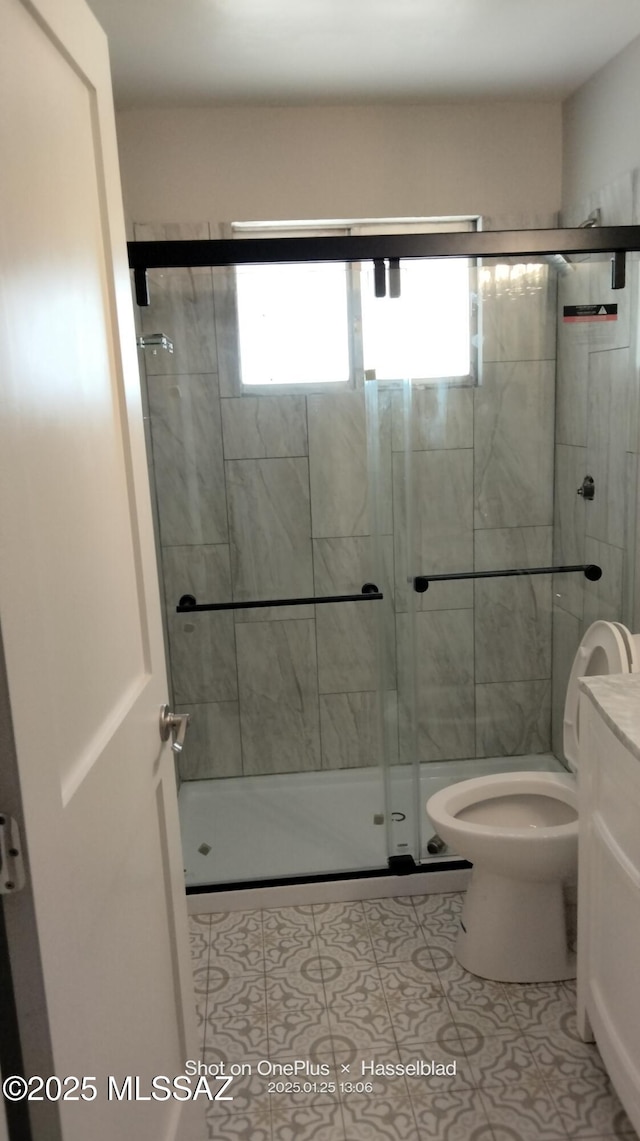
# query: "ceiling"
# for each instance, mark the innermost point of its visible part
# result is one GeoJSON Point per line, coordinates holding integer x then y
{"type": "Point", "coordinates": [200, 52]}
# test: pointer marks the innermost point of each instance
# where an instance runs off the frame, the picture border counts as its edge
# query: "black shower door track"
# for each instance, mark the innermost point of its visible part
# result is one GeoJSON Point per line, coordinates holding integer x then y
{"type": "Point", "coordinates": [616, 240]}
{"type": "Point", "coordinates": [470, 243]}
{"type": "Point", "coordinates": [447, 865]}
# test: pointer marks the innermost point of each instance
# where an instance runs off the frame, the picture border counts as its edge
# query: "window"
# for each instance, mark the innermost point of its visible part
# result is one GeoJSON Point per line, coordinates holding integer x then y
{"type": "Point", "coordinates": [320, 324]}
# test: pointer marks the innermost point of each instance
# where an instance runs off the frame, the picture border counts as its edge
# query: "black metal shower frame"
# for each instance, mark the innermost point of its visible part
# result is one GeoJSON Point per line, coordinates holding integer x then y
{"type": "Point", "coordinates": [221, 252]}
{"type": "Point", "coordinates": [617, 241]}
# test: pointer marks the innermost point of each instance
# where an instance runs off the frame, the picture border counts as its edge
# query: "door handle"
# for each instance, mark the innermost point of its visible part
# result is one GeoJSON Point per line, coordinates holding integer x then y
{"type": "Point", "coordinates": [176, 724]}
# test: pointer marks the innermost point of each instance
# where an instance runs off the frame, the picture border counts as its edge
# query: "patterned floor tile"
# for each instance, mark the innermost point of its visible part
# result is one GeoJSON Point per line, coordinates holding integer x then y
{"type": "Point", "coordinates": [439, 917]}
{"type": "Point", "coordinates": [333, 964]}
{"type": "Point", "coordinates": [254, 1125]}
{"type": "Point", "coordinates": [198, 922]}
{"type": "Point", "coordinates": [343, 934]}
{"type": "Point", "coordinates": [248, 1091]}
{"type": "Point", "coordinates": [306, 1122]}
{"type": "Point", "coordinates": [393, 928]}
{"type": "Point", "coordinates": [448, 1053]}
{"type": "Point", "coordinates": [201, 1015]}
{"type": "Point", "coordinates": [305, 1030]}
{"type": "Point", "coordinates": [309, 965]}
{"type": "Point", "coordinates": [357, 1007]}
{"type": "Point", "coordinates": [560, 1055]}
{"type": "Point", "coordinates": [444, 938]}
{"type": "Point", "coordinates": [445, 962]}
{"type": "Point", "coordinates": [448, 1033]}
{"type": "Point", "coordinates": [286, 983]}
{"type": "Point", "coordinates": [423, 959]}
{"type": "Point", "coordinates": [219, 1053]}
{"type": "Point", "coordinates": [590, 1107]}
{"type": "Point", "coordinates": [528, 1111]}
{"type": "Point", "coordinates": [390, 1118]}
{"type": "Point", "coordinates": [379, 980]}
{"type": "Point", "coordinates": [227, 990]}
{"type": "Point", "coordinates": [455, 1116]}
{"type": "Point", "coordinates": [349, 1055]}
{"type": "Point", "coordinates": [320, 1068]}
{"type": "Point", "coordinates": [200, 976]}
{"type": "Point", "coordinates": [544, 1004]}
{"type": "Point", "coordinates": [479, 1006]}
{"type": "Point", "coordinates": [445, 968]}
{"type": "Point", "coordinates": [393, 904]}
{"type": "Point", "coordinates": [312, 1085]}
{"type": "Point", "coordinates": [296, 1013]}
{"type": "Point", "coordinates": [500, 1059]}
{"type": "Point", "coordinates": [442, 905]}
{"type": "Point", "coordinates": [417, 1007]}
{"type": "Point", "coordinates": [289, 937]}
{"type": "Point", "coordinates": [199, 946]}
{"type": "Point", "coordinates": [236, 942]}
{"type": "Point", "coordinates": [226, 1043]}
{"type": "Point", "coordinates": [361, 1082]}
{"type": "Point", "coordinates": [237, 1015]}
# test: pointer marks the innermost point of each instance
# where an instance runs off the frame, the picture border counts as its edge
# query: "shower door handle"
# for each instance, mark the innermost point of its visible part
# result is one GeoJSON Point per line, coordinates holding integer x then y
{"type": "Point", "coordinates": [176, 724]}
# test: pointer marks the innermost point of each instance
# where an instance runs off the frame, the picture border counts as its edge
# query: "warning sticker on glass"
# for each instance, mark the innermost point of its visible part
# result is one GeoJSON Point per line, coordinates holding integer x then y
{"type": "Point", "coordinates": [579, 314]}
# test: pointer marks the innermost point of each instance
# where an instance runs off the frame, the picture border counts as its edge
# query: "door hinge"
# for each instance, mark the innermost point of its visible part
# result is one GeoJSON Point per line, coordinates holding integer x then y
{"type": "Point", "coordinates": [12, 876]}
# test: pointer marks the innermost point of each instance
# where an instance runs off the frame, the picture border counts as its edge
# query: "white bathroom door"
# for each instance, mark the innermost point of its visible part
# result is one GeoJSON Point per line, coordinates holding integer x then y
{"type": "Point", "coordinates": [79, 602]}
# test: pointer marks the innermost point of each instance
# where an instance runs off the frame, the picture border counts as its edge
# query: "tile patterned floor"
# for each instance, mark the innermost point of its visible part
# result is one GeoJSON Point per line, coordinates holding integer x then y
{"type": "Point", "coordinates": [340, 983]}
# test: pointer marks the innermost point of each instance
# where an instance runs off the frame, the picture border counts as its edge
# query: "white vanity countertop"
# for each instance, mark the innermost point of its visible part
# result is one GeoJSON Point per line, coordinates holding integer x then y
{"type": "Point", "coordinates": [617, 697]}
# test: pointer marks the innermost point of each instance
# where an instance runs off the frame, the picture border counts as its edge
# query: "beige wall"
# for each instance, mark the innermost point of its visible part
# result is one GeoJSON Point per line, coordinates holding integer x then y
{"type": "Point", "coordinates": [256, 163]}
{"type": "Point", "coordinates": [600, 127]}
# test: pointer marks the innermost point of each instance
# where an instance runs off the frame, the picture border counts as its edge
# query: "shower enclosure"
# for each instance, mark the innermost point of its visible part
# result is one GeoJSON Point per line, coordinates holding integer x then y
{"type": "Point", "coordinates": [377, 547]}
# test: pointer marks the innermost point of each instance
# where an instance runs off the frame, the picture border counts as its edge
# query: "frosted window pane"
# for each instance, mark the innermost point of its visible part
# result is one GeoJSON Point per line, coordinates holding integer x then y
{"type": "Point", "coordinates": [293, 323]}
{"type": "Point", "coordinates": [425, 333]}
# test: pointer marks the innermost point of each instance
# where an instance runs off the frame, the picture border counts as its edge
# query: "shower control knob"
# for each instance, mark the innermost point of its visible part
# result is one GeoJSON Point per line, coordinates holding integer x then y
{"type": "Point", "coordinates": [587, 488]}
{"type": "Point", "coordinates": [175, 724]}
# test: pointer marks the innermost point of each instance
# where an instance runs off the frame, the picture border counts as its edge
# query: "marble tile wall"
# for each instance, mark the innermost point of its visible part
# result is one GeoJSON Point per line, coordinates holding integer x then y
{"type": "Point", "coordinates": [445, 708]}
{"type": "Point", "coordinates": [513, 444]}
{"type": "Point", "coordinates": [270, 496]}
{"type": "Point", "coordinates": [278, 689]}
{"type": "Point", "coordinates": [596, 434]}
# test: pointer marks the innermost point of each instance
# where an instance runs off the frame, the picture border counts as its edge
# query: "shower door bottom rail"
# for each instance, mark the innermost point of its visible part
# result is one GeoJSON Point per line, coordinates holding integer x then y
{"type": "Point", "coordinates": [589, 570]}
{"type": "Point", "coordinates": [369, 593]}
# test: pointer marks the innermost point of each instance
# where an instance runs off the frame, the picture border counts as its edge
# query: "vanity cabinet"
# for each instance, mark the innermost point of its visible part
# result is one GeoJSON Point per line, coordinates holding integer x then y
{"type": "Point", "coordinates": [609, 889]}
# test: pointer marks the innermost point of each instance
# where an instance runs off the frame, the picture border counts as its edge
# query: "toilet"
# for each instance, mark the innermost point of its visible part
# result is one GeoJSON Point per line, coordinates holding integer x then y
{"type": "Point", "coordinates": [520, 832]}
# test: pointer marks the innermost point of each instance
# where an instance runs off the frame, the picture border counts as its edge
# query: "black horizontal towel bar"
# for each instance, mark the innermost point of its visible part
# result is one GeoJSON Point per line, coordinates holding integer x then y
{"type": "Point", "coordinates": [188, 604]}
{"type": "Point", "coordinates": [590, 571]}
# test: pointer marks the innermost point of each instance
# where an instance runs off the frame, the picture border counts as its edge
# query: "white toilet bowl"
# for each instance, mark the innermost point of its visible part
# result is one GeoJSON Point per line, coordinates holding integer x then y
{"type": "Point", "coordinates": [520, 832]}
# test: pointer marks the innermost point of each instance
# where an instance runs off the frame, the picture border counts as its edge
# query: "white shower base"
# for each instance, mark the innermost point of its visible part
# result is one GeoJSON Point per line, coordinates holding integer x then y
{"type": "Point", "coordinates": [305, 824]}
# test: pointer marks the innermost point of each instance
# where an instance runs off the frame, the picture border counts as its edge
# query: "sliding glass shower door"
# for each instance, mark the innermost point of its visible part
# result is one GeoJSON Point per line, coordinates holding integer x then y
{"type": "Point", "coordinates": [425, 357]}
{"type": "Point", "coordinates": [271, 569]}
{"type": "Point", "coordinates": [502, 475]}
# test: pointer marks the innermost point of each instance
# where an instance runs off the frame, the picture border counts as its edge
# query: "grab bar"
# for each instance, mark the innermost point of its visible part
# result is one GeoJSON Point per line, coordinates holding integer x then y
{"type": "Point", "coordinates": [590, 571]}
{"type": "Point", "coordinates": [188, 603]}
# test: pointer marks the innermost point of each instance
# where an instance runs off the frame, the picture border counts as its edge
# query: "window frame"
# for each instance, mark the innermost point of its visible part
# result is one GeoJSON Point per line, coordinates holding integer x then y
{"type": "Point", "coordinates": [353, 270]}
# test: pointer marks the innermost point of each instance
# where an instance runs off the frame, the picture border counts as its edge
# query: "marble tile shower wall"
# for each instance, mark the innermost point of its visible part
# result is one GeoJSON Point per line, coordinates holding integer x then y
{"type": "Point", "coordinates": [269, 496]}
{"type": "Point", "coordinates": [596, 434]}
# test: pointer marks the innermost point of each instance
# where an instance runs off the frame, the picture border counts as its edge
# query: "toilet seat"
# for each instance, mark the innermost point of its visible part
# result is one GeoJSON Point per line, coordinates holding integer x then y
{"type": "Point", "coordinates": [509, 847]}
{"type": "Point", "coordinates": [446, 808]}
{"type": "Point", "coordinates": [606, 648]}
{"type": "Point", "coordinates": [632, 642]}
